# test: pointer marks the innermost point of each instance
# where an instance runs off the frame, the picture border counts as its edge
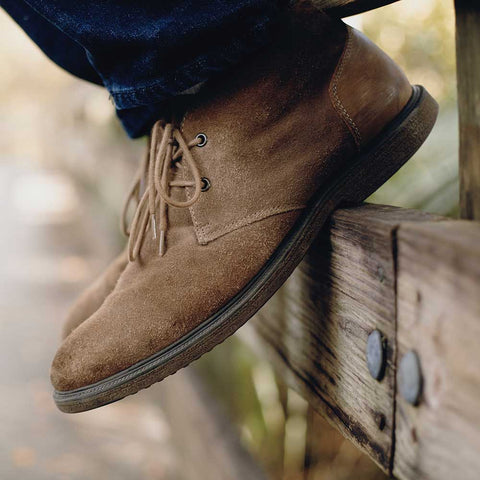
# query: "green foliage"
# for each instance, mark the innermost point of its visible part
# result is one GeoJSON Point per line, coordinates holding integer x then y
{"type": "Point", "coordinates": [420, 36]}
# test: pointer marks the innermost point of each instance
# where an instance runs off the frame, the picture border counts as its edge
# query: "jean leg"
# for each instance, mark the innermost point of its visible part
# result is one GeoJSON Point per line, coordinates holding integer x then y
{"type": "Point", "coordinates": [146, 52]}
{"type": "Point", "coordinates": [58, 46]}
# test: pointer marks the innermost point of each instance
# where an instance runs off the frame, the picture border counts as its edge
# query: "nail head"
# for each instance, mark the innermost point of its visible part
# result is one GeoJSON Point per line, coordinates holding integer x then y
{"type": "Point", "coordinates": [376, 355]}
{"type": "Point", "coordinates": [409, 377]}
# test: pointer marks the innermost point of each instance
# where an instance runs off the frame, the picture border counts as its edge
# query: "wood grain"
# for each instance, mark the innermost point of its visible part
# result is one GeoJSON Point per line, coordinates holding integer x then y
{"type": "Point", "coordinates": [206, 440]}
{"type": "Point", "coordinates": [439, 318]}
{"type": "Point", "coordinates": [468, 74]}
{"type": "Point", "coordinates": [413, 276]}
{"type": "Point", "coordinates": [315, 328]}
{"type": "Point", "coordinates": [345, 8]}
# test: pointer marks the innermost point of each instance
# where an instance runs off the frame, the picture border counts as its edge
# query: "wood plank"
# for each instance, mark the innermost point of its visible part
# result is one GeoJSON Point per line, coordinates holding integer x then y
{"type": "Point", "coordinates": [468, 73]}
{"type": "Point", "coordinates": [206, 440]}
{"type": "Point", "coordinates": [315, 328]}
{"type": "Point", "coordinates": [439, 318]}
{"type": "Point", "coordinates": [345, 8]}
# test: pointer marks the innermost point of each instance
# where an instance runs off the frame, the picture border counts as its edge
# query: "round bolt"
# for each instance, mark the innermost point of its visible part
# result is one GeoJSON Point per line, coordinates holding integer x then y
{"type": "Point", "coordinates": [376, 355]}
{"type": "Point", "coordinates": [409, 377]}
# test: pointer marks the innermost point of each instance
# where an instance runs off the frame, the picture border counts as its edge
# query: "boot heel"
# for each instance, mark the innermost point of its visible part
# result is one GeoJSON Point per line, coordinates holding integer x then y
{"type": "Point", "coordinates": [395, 146]}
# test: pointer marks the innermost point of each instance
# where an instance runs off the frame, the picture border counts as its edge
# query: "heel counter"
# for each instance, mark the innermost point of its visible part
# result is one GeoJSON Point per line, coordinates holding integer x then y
{"type": "Point", "coordinates": [368, 89]}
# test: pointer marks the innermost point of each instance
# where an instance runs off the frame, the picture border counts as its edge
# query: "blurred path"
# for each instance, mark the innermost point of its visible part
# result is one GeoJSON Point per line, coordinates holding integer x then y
{"type": "Point", "coordinates": [51, 248]}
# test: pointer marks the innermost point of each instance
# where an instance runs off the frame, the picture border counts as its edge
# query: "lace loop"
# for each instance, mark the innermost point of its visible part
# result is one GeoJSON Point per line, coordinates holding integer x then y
{"type": "Point", "coordinates": [171, 149]}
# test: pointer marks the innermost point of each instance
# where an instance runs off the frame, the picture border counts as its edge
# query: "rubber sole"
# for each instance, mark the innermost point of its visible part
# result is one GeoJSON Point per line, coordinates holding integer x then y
{"type": "Point", "coordinates": [394, 147]}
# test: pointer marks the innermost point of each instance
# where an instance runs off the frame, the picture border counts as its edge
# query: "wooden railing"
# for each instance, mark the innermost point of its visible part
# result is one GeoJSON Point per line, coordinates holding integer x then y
{"type": "Point", "coordinates": [378, 328]}
{"type": "Point", "coordinates": [410, 283]}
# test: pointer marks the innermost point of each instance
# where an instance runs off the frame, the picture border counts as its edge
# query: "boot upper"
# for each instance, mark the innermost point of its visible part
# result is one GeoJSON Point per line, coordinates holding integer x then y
{"type": "Point", "coordinates": [273, 132]}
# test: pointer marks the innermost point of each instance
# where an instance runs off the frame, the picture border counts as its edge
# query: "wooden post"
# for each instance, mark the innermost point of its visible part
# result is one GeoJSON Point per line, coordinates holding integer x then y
{"type": "Point", "coordinates": [468, 73]}
{"type": "Point", "coordinates": [438, 313]}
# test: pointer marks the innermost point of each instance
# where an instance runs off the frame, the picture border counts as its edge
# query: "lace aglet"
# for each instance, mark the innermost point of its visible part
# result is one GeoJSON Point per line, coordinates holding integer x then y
{"type": "Point", "coordinates": [154, 226]}
{"type": "Point", "coordinates": [161, 247]}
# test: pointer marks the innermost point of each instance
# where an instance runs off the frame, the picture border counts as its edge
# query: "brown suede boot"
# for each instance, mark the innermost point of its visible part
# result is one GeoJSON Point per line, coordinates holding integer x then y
{"type": "Point", "coordinates": [247, 179]}
{"type": "Point", "coordinates": [91, 299]}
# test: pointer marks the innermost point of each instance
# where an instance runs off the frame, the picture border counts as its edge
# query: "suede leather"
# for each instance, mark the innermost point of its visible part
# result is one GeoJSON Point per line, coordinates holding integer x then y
{"type": "Point", "coordinates": [366, 110]}
{"type": "Point", "coordinates": [159, 299]}
{"type": "Point", "coordinates": [94, 295]}
{"type": "Point", "coordinates": [274, 138]}
{"type": "Point", "coordinates": [271, 129]}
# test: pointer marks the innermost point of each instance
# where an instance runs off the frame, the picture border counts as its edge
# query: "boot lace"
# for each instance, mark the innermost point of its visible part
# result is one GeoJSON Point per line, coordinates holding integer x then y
{"type": "Point", "coordinates": [154, 170]}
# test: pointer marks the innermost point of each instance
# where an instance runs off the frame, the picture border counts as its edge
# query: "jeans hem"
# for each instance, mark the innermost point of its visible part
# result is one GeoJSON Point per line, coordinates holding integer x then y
{"type": "Point", "coordinates": [196, 71]}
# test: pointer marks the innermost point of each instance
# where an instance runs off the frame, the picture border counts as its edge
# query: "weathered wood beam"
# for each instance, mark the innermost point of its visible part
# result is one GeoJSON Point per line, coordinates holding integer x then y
{"type": "Point", "coordinates": [345, 8]}
{"type": "Point", "coordinates": [315, 329]}
{"type": "Point", "coordinates": [416, 279]}
{"type": "Point", "coordinates": [468, 75]}
{"type": "Point", "coordinates": [411, 276]}
{"type": "Point", "coordinates": [206, 440]}
{"type": "Point", "coordinates": [439, 319]}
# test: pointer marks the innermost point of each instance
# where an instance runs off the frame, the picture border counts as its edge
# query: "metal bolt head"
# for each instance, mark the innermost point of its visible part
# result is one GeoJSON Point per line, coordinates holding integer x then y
{"type": "Point", "coordinates": [409, 377]}
{"type": "Point", "coordinates": [376, 355]}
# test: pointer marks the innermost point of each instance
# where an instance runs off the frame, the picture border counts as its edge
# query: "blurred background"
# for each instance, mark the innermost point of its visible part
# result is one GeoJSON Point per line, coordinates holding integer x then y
{"type": "Point", "coordinates": [65, 165]}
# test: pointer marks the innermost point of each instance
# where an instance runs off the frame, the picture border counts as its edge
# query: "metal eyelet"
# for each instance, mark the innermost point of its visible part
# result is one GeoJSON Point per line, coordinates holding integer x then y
{"type": "Point", "coordinates": [205, 184]}
{"type": "Point", "coordinates": [203, 139]}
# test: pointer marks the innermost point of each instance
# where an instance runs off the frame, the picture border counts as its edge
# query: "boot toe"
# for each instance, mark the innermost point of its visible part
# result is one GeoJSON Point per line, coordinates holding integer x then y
{"type": "Point", "coordinates": [93, 296]}
{"type": "Point", "coordinates": [156, 304]}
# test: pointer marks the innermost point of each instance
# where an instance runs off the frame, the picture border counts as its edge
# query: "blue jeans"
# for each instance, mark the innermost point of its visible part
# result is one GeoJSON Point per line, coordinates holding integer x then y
{"type": "Point", "coordinates": [144, 52]}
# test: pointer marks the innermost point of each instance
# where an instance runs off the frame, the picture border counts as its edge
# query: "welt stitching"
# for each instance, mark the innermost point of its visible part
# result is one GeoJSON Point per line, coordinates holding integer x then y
{"type": "Point", "coordinates": [338, 103]}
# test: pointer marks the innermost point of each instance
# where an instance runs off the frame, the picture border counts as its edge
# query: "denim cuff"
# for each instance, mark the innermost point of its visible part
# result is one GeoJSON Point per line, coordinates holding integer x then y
{"type": "Point", "coordinates": [138, 108]}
